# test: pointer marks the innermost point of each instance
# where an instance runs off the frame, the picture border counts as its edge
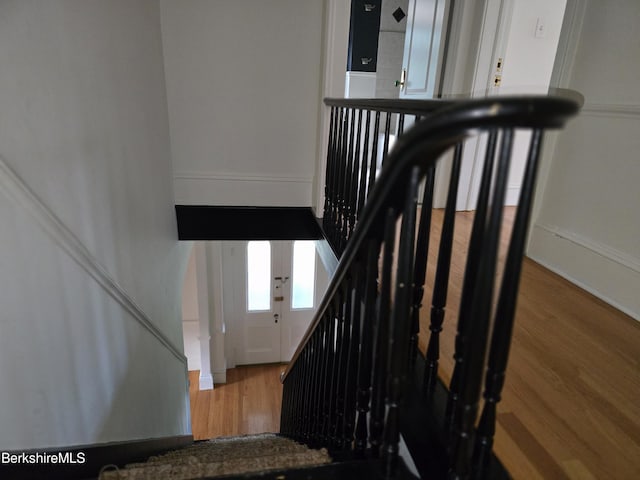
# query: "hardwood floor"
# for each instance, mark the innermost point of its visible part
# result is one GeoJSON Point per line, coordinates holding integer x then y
{"type": "Point", "coordinates": [571, 403]}
{"type": "Point", "coordinates": [570, 408]}
{"type": "Point", "coordinates": [248, 403]}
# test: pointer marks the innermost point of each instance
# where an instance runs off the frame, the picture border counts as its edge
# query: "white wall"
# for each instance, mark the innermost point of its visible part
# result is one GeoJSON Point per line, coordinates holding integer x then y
{"type": "Point", "coordinates": [335, 41]}
{"type": "Point", "coordinates": [90, 267]}
{"type": "Point", "coordinates": [588, 226]}
{"type": "Point", "coordinates": [190, 317]}
{"type": "Point", "coordinates": [528, 59]}
{"type": "Point", "coordinates": [527, 66]}
{"type": "Point", "coordinates": [243, 83]}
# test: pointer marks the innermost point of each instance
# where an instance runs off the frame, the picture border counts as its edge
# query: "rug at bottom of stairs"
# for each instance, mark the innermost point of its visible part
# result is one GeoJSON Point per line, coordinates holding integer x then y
{"type": "Point", "coordinates": [222, 456]}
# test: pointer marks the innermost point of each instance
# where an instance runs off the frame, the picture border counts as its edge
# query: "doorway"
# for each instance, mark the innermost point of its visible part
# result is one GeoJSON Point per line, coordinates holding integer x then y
{"type": "Point", "coordinates": [271, 289]}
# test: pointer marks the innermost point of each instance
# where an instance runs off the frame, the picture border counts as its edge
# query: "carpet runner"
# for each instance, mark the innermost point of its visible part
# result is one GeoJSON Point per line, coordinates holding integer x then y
{"type": "Point", "coordinates": [222, 456]}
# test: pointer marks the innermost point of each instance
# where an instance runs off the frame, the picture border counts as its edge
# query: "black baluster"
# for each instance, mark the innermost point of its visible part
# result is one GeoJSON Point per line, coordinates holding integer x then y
{"type": "Point", "coordinates": [471, 269]}
{"type": "Point", "coordinates": [397, 360]}
{"type": "Point", "coordinates": [362, 190]}
{"type": "Point", "coordinates": [387, 132]}
{"type": "Point", "coordinates": [365, 359]}
{"type": "Point", "coordinates": [311, 390]}
{"type": "Point", "coordinates": [311, 384]}
{"type": "Point", "coordinates": [342, 185]}
{"type": "Point", "coordinates": [355, 172]}
{"type": "Point", "coordinates": [373, 163]}
{"type": "Point", "coordinates": [284, 410]}
{"type": "Point", "coordinates": [329, 362]}
{"type": "Point", "coordinates": [422, 253]}
{"type": "Point", "coordinates": [326, 214]}
{"type": "Point", "coordinates": [477, 330]}
{"type": "Point", "coordinates": [335, 180]}
{"type": "Point", "coordinates": [400, 124]}
{"type": "Point", "coordinates": [299, 399]}
{"type": "Point", "coordinates": [342, 339]}
{"type": "Point", "coordinates": [355, 298]}
{"type": "Point", "coordinates": [441, 283]}
{"type": "Point", "coordinates": [348, 179]}
{"type": "Point", "coordinates": [322, 380]}
{"type": "Point", "coordinates": [379, 380]}
{"type": "Point", "coordinates": [337, 172]}
{"type": "Point", "coordinates": [505, 311]}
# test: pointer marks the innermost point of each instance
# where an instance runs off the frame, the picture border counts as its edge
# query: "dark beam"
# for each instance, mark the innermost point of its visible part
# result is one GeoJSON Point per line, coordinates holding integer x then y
{"type": "Point", "coordinates": [199, 222]}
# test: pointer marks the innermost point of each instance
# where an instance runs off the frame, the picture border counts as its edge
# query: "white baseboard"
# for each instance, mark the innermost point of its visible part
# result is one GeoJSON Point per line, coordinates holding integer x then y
{"type": "Point", "coordinates": [513, 195]}
{"type": "Point", "coordinates": [610, 275]}
{"type": "Point", "coordinates": [220, 376]}
{"type": "Point", "coordinates": [205, 382]}
{"type": "Point", "coordinates": [197, 188]}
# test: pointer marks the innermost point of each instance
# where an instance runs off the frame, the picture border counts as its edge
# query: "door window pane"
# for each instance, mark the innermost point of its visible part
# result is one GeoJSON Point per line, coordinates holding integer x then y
{"type": "Point", "coordinates": [304, 274]}
{"type": "Point", "coordinates": [258, 275]}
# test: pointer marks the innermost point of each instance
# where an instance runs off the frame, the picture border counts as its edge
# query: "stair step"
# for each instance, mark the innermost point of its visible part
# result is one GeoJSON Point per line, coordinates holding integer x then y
{"type": "Point", "coordinates": [223, 457]}
{"type": "Point", "coordinates": [348, 470]}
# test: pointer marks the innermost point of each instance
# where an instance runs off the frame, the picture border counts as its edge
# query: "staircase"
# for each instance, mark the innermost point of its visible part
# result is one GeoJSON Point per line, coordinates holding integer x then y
{"type": "Point", "coordinates": [357, 386]}
{"type": "Point", "coordinates": [263, 456]}
{"type": "Point", "coordinates": [358, 395]}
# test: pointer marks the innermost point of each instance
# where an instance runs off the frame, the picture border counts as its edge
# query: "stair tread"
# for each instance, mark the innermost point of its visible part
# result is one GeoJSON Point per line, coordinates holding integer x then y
{"type": "Point", "coordinates": [224, 456]}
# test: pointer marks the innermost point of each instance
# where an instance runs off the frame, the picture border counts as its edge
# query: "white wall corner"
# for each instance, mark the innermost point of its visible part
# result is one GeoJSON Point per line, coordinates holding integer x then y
{"type": "Point", "coordinates": [335, 40]}
{"type": "Point", "coordinates": [203, 311]}
{"type": "Point", "coordinates": [218, 361]}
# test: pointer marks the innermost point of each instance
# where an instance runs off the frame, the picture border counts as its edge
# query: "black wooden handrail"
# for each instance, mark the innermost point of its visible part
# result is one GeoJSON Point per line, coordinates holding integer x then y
{"type": "Point", "coordinates": [407, 107]}
{"type": "Point", "coordinates": [368, 319]}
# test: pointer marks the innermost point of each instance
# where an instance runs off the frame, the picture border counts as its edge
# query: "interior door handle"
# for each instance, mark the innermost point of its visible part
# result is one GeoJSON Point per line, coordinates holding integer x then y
{"type": "Point", "coordinates": [403, 79]}
{"type": "Point", "coordinates": [276, 317]}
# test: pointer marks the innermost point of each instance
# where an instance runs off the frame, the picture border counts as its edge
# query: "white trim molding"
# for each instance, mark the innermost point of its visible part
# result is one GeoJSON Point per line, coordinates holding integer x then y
{"type": "Point", "coordinates": [612, 254]}
{"type": "Point", "coordinates": [605, 272]}
{"type": "Point", "coordinates": [205, 382]}
{"type": "Point", "coordinates": [237, 177]}
{"type": "Point", "coordinates": [235, 189]}
{"type": "Point", "coordinates": [611, 110]}
{"type": "Point", "coordinates": [20, 193]}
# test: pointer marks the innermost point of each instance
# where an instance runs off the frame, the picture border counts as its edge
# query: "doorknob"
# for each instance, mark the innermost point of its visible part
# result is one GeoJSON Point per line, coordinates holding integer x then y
{"type": "Point", "coordinates": [282, 279]}
{"type": "Point", "coordinates": [403, 79]}
{"type": "Point", "coordinates": [276, 317]}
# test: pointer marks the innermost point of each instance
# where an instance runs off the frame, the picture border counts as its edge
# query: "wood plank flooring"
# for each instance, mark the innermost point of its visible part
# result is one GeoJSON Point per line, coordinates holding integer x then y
{"type": "Point", "coordinates": [571, 404]}
{"type": "Point", "coordinates": [248, 403]}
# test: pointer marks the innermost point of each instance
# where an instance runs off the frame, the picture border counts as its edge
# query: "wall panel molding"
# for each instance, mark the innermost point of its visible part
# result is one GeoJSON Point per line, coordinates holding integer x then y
{"type": "Point", "coordinates": [612, 254]}
{"type": "Point", "coordinates": [22, 195]}
{"type": "Point", "coordinates": [611, 110]}
{"type": "Point", "coordinates": [213, 188]}
{"type": "Point", "coordinates": [603, 271]}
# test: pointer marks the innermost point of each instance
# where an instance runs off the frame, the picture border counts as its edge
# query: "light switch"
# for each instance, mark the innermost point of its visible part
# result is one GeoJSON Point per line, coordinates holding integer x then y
{"type": "Point", "coordinates": [541, 28]}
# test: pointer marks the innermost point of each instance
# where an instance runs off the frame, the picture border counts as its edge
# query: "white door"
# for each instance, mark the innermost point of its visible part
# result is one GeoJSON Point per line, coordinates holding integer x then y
{"type": "Point", "coordinates": [424, 48]}
{"type": "Point", "coordinates": [270, 298]}
{"type": "Point", "coordinates": [422, 63]}
{"type": "Point", "coordinates": [260, 335]}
